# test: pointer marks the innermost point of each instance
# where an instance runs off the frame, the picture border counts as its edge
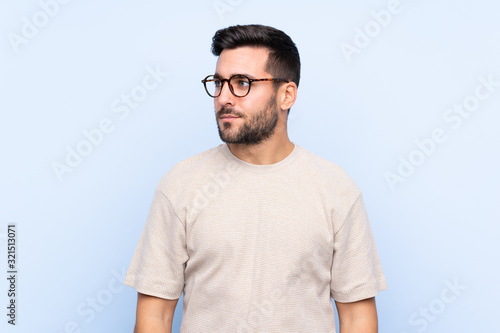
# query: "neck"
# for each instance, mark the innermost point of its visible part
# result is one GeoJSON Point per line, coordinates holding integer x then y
{"type": "Point", "coordinates": [271, 151]}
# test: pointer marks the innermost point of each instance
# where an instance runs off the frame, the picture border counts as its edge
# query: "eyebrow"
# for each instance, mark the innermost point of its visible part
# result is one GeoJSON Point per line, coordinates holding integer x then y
{"type": "Point", "coordinates": [248, 75]}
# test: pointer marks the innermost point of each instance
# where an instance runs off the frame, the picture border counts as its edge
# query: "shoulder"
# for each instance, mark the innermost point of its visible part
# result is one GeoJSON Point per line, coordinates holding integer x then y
{"type": "Point", "coordinates": [341, 191]}
{"type": "Point", "coordinates": [186, 172]}
{"type": "Point", "coordinates": [329, 173]}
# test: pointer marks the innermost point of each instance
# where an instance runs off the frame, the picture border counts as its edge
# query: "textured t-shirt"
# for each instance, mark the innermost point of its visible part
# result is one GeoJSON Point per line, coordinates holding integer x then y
{"type": "Point", "coordinates": [257, 248]}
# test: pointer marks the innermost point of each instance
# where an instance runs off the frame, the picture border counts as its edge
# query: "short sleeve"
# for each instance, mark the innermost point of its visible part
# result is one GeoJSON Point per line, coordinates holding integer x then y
{"type": "Point", "coordinates": [157, 266]}
{"type": "Point", "coordinates": [356, 269]}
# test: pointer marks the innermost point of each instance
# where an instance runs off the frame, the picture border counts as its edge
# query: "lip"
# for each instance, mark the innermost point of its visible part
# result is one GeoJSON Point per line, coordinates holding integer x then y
{"type": "Point", "coordinates": [228, 117]}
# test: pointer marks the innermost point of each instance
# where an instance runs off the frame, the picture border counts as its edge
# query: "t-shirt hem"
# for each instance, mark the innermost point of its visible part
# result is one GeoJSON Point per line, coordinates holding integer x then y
{"type": "Point", "coordinates": [131, 281]}
{"type": "Point", "coordinates": [358, 294]}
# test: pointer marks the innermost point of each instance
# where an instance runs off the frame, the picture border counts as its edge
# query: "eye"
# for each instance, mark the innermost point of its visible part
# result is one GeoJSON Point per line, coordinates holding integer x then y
{"type": "Point", "coordinates": [217, 82]}
{"type": "Point", "coordinates": [240, 81]}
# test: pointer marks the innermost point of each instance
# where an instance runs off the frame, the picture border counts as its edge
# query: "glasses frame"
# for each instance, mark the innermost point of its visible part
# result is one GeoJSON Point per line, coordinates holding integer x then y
{"type": "Point", "coordinates": [205, 80]}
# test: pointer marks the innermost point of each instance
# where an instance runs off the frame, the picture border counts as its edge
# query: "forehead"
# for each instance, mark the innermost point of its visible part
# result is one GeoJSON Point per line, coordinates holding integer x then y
{"type": "Point", "coordinates": [242, 60]}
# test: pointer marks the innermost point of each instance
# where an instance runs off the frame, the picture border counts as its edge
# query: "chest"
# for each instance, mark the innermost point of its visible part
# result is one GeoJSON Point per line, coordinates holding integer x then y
{"type": "Point", "coordinates": [270, 221]}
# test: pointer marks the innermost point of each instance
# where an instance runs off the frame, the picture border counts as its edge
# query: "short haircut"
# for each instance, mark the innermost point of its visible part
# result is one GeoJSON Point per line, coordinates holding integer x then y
{"type": "Point", "coordinates": [283, 61]}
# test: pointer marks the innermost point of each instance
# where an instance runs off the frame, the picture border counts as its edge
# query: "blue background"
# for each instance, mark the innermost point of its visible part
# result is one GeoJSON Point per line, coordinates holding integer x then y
{"type": "Point", "coordinates": [65, 66]}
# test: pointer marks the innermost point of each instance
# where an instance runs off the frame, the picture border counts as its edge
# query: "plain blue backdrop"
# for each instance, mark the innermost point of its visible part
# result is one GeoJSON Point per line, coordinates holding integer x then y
{"type": "Point", "coordinates": [404, 95]}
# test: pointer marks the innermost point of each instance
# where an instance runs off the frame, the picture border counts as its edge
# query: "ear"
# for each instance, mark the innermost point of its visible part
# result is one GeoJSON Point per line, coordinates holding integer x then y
{"type": "Point", "coordinates": [288, 95]}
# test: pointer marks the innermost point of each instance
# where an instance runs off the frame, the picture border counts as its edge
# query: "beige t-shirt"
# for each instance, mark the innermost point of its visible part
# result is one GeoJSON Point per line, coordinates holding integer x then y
{"type": "Point", "coordinates": [257, 248]}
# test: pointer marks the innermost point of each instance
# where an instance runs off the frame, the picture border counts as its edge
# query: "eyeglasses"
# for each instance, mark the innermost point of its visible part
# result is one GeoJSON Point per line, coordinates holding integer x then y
{"type": "Point", "coordinates": [239, 84]}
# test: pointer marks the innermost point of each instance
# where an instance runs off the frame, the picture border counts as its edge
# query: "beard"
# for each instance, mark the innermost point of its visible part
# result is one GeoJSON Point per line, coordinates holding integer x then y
{"type": "Point", "coordinates": [254, 130]}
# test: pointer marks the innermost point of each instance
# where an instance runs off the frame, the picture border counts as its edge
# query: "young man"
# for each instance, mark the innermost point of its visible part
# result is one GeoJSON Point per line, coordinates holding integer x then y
{"type": "Point", "coordinates": [258, 232]}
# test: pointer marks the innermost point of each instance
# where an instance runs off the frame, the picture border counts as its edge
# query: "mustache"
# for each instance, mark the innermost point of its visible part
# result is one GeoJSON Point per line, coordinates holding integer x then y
{"type": "Point", "coordinates": [228, 110]}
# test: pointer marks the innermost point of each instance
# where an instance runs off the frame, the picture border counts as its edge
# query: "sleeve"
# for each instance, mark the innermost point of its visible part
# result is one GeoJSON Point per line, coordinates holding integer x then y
{"type": "Point", "coordinates": [157, 266]}
{"type": "Point", "coordinates": [356, 269]}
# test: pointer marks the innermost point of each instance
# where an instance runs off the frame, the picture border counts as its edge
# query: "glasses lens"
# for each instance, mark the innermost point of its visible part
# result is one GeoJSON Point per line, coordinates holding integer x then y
{"type": "Point", "coordinates": [240, 85]}
{"type": "Point", "coordinates": [213, 85]}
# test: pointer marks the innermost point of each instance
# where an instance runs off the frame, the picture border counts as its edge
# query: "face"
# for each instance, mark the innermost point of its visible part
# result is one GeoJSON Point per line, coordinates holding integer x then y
{"type": "Point", "coordinates": [253, 118]}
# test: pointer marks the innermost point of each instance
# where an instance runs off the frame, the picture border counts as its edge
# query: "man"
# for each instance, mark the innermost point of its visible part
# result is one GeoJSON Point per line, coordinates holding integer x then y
{"type": "Point", "coordinates": [258, 233]}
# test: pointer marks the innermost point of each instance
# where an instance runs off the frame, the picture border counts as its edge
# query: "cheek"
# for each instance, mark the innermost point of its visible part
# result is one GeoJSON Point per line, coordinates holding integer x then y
{"type": "Point", "coordinates": [255, 102]}
{"type": "Point", "coordinates": [217, 105]}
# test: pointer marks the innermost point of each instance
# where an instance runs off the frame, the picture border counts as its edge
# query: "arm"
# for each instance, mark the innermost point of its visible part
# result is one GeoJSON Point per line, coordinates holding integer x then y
{"type": "Point", "coordinates": [358, 317]}
{"type": "Point", "coordinates": [154, 314]}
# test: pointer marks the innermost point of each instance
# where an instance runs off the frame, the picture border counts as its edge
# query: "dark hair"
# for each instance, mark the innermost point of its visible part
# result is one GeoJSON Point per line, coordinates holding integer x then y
{"type": "Point", "coordinates": [283, 61]}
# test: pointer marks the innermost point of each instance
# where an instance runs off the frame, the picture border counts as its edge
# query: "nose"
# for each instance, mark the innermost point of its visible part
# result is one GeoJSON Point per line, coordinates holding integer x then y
{"type": "Point", "coordinates": [226, 97]}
